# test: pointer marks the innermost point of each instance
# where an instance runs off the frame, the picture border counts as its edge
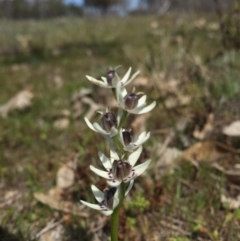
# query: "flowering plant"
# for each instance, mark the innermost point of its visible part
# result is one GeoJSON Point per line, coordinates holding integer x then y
{"type": "Point", "coordinates": [119, 169]}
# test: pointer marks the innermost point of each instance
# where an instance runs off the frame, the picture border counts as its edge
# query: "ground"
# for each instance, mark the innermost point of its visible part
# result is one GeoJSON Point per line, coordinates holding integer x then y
{"type": "Point", "coordinates": [184, 67]}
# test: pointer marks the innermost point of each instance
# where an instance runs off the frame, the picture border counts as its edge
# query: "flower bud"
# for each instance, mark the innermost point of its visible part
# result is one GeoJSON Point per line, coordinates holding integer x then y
{"type": "Point", "coordinates": [131, 101]}
{"type": "Point", "coordinates": [109, 197]}
{"type": "Point", "coordinates": [127, 137]}
{"type": "Point", "coordinates": [108, 120]}
{"type": "Point", "coordinates": [121, 169]}
{"type": "Point", "coordinates": [110, 76]}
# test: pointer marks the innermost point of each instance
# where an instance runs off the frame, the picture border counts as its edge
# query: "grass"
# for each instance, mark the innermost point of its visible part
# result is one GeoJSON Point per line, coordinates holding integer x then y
{"type": "Point", "coordinates": [36, 53]}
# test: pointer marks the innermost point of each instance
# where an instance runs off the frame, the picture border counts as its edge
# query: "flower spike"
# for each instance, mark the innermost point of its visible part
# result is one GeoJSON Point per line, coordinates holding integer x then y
{"type": "Point", "coordinates": [118, 170]}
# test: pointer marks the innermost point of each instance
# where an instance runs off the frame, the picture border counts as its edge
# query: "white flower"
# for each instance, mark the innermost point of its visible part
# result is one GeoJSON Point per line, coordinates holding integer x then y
{"type": "Point", "coordinates": [125, 138]}
{"type": "Point", "coordinates": [108, 200]}
{"type": "Point", "coordinates": [109, 125]}
{"type": "Point", "coordinates": [112, 79]}
{"type": "Point", "coordinates": [119, 170]}
{"type": "Point", "coordinates": [131, 103]}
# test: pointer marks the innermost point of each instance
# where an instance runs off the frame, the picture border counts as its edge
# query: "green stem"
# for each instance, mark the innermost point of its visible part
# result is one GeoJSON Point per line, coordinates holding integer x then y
{"type": "Point", "coordinates": [122, 188]}
{"type": "Point", "coordinates": [114, 93]}
{"type": "Point", "coordinates": [115, 138]}
{"type": "Point", "coordinates": [123, 119]}
{"type": "Point", "coordinates": [117, 143]}
{"type": "Point", "coordinates": [115, 214]}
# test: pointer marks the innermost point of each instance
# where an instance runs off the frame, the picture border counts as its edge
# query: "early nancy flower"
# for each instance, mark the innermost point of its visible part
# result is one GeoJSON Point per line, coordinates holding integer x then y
{"type": "Point", "coordinates": [108, 200]}
{"type": "Point", "coordinates": [125, 137]}
{"type": "Point", "coordinates": [108, 120]}
{"type": "Point", "coordinates": [119, 169]}
{"type": "Point", "coordinates": [112, 78]}
{"type": "Point", "coordinates": [131, 102]}
{"type": "Point", "coordinates": [109, 123]}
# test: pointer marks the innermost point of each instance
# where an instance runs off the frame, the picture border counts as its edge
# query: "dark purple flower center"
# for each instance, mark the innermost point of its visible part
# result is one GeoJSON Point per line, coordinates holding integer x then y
{"type": "Point", "coordinates": [127, 137]}
{"type": "Point", "coordinates": [110, 76]}
{"type": "Point", "coordinates": [121, 169]}
{"type": "Point", "coordinates": [131, 101]}
{"type": "Point", "coordinates": [109, 197]}
{"type": "Point", "coordinates": [108, 120]}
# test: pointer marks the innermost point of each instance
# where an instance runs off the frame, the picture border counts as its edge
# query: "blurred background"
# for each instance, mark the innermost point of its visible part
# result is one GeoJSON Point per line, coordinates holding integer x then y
{"type": "Point", "coordinates": [42, 9]}
{"type": "Point", "coordinates": [188, 55]}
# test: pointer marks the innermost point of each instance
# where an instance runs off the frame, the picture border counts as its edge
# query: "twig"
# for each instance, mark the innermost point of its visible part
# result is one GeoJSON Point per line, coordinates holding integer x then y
{"type": "Point", "coordinates": [166, 143]}
{"type": "Point", "coordinates": [93, 106]}
{"type": "Point", "coordinates": [175, 228]}
{"type": "Point", "coordinates": [7, 200]}
{"type": "Point", "coordinates": [186, 183]}
{"type": "Point", "coordinates": [49, 226]}
{"type": "Point", "coordinates": [160, 131]}
{"type": "Point", "coordinates": [228, 148]}
{"type": "Point", "coordinates": [100, 226]}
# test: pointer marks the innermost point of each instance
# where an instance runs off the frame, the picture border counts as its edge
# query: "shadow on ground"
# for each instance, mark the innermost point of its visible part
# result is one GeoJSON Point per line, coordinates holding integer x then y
{"type": "Point", "coordinates": [6, 236]}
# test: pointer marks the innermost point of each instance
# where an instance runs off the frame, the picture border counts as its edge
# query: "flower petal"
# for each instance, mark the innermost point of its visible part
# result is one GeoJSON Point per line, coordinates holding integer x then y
{"type": "Point", "coordinates": [99, 195]}
{"type": "Point", "coordinates": [119, 94]}
{"type": "Point", "coordinates": [113, 183]}
{"type": "Point", "coordinates": [130, 147]}
{"type": "Point", "coordinates": [132, 78]}
{"type": "Point", "coordinates": [113, 131]}
{"type": "Point", "coordinates": [142, 138]}
{"type": "Point", "coordinates": [116, 80]}
{"type": "Point", "coordinates": [119, 115]}
{"type": "Point", "coordinates": [143, 109]}
{"type": "Point", "coordinates": [129, 187]}
{"type": "Point", "coordinates": [104, 80]}
{"type": "Point", "coordinates": [89, 124]}
{"type": "Point", "coordinates": [91, 205]}
{"type": "Point", "coordinates": [124, 92]}
{"type": "Point", "coordinates": [126, 76]}
{"type": "Point", "coordinates": [115, 202]}
{"type": "Point", "coordinates": [139, 169]}
{"type": "Point", "coordinates": [132, 159]}
{"type": "Point", "coordinates": [142, 101]}
{"type": "Point", "coordinates": [105, 161]}
{"type": "Point", "coordinates": [98, 82]}
{"type": "Point", "coordinates": [107, 213]}
{"type": "Point", "coordinates": [148, 108]}
{"type": "Point", "coordinates": [120, 136]}
{"type": "Point", "coordinates": [99, 129]}
{"type": "Point", "coordinates": [113, 154]}
{"type": "Point", "coordinates": [99, 172]}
